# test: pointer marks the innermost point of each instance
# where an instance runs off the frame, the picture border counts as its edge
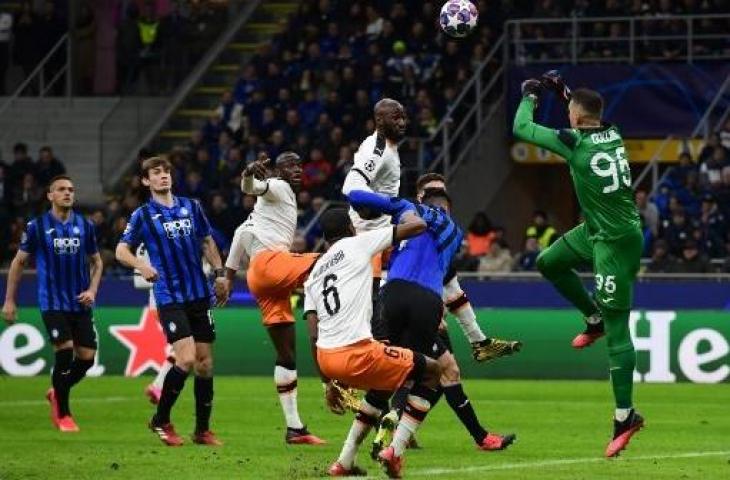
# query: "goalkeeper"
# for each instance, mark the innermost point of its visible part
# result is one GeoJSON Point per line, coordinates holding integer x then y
{"type": "Point", "coordinates": [609, 239]}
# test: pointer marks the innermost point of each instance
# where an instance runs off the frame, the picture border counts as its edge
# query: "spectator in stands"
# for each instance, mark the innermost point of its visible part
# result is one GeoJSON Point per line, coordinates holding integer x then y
{"type": "Point", "coordinates": [230, 111]}
{"type": "Point", "coordinates": [661, 260]}
{"type": "Point", "coordinates": [213, 128]}
{"type": "Point", "coordinates": [51, 27]}
{"type": "Point", "coordinates": [48, 166]}
{"type": "Point", "coordinates": [27, 197]}
{"type": "Point", "coordinates": [26, 48]}
{"type": "Point", "coordinates": [689, 194]}
{"type": "Point", "coordinates": [175, 32]}
{"type": "Point", "coordinates": [148, 55]}
{"type": "Point", "coordinates": [6, 30]}
{"type": "Point", "coordinates": [712, 228]}
{"type": "Point", "coordinates": [316, 173]}
{"type": "Point", "coordinates": [374, 22]}
{"type": "Point", "coordinates": [648, 211]}
{"type": "Point", "coordinates": [677, 231]}
{"type": "Point", "coordinates": [17, 227]}
{"type": "Point", "coordinates": [220, 215]}
{"type": "Point", "coordinates": [542, 230]}
{"type": "Point", "coordinates": [678, 175]}
{"type": "Point", "coordinates": [691, 260]}
{"type": "Point", "coordinates": [479, 236]}
{"type": "Point", "coordinates": [713, 142]}
{"type": "Point", "coordinates": [497, 259]}
{"type": "Point", "coordinates": [725, 135]}
{"type": "Point", "coordinates": [22, 164]}
{"type": "Point", "coordinates": [85, 36]}
{"type": "Point", "coordinates": [711, 169]}
{"type": "Point", "coordinates": [526, 260]}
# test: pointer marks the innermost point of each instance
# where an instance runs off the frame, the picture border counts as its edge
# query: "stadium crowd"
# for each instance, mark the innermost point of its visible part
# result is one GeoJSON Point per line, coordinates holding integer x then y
{"type": "Point", "coordinates": [686, 222]}
{"type": "Point", "coordinates": [610, 39]}
{"type": "Point", "coordinates": [312, 90]}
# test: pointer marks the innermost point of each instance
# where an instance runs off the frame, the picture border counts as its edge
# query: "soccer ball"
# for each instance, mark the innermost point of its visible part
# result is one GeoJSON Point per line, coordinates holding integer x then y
{"type": "Point", "coordinates": [458, 18]}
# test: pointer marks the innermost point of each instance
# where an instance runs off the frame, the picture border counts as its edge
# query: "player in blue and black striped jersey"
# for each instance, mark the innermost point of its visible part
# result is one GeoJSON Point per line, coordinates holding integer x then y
{"type": "Point", "coordinates": [411, 305]}
{"type": "Point", "coordinates": [176, 232]}
{"type": "Point", "coordinates": [69, 269]}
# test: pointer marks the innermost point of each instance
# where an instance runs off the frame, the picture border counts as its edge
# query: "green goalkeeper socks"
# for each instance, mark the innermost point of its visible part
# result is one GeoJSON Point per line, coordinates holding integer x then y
{"type": "Point", "coordinates": [621, 355]}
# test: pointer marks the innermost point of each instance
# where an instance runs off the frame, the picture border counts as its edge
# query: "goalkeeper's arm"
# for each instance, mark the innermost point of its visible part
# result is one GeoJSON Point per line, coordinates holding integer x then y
{"type": "Point", "coordinates": [525, 128]}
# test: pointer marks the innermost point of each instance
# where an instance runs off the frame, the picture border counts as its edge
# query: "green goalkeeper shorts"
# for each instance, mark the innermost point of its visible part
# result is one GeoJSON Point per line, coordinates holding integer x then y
{"type": "Point", "coordinates": [615, 264]}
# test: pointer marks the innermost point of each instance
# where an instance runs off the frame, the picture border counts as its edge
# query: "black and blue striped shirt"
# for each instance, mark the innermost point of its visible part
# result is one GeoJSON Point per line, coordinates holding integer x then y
{"type": "Point", "coordinates": [173, 237]}
{"type": "Point", "coordinates": [61, 251]}
{"type": "Point", "coordinates": [425, 259]}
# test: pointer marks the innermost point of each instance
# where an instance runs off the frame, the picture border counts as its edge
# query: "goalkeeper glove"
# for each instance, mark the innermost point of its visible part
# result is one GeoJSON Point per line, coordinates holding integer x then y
{"type": "Point", "coordinates": [532, 88]}
{"type": "Point", "coordinates": [552, 80]}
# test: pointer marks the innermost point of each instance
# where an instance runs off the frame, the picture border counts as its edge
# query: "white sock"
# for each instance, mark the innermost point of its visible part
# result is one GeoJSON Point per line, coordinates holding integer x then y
{"type": "Point", "coordinates": [465, 313]}
{"type": "Point", "coordinates": [408, 425]}
{"type": "Point", "coordinates": [160, 378]}
{"type": "Point", "coordinates": [622, 414]}
{"type": "Point", "coordinates": [467, 320]}
{"type": "Point", "coordinates": [358, 431]}
{"type": "Point", "coordinates": [286, 385]}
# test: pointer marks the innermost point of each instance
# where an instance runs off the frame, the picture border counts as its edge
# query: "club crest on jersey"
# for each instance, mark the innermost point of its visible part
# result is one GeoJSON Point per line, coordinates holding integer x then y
{"type": "Point", "coordinates": [76, 231]}
{"type": "Point", "coordinates": [184, 212]}
{"type": "Point", "coordinates": [178, 228]}
{"type": "Point", "coordinates": [66, 245]}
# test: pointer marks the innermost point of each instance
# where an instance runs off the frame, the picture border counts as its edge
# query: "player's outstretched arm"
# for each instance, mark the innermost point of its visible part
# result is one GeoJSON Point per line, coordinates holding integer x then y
{"type": "Point", "coordinates": [252, 178]}
{"type": "Point", "coordinates": [10, 309]}
{"type": "Point", "coordinates": [378, 202]}
{"type": "Point", "coordinates": [525, 128]}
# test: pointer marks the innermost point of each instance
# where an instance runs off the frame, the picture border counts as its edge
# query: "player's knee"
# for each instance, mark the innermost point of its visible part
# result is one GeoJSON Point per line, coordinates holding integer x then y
{"type": "Point", "coordinates": [185, 361]}
{"type": "Point", "coordinates": [85, 353]}
{"type": "Point", "coordinates": [450, 373]}
{"type": "Point", "coordinates": [204, 366]}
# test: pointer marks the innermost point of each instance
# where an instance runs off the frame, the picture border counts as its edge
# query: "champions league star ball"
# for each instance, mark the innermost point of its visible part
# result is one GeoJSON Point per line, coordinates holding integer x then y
{"type": "Point", "coordinates": [458, 18]}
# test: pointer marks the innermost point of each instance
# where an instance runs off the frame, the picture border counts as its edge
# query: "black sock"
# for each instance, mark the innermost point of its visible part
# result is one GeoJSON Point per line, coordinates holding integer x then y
{"type": "Point", "coordinates": [203, 403]}
{"type": "Point", "coordinates": [59, 379]}
{"type": "Point", "coordinates": [439, 396]}
{"type": "Point", "coordinates": [462, 407]}
{"type": "Point", "coordinates": [78, 370]}
{"type": "Point", "coordinates": [171, 388]}
{"type": "Point", "coordinates": [398, 400]}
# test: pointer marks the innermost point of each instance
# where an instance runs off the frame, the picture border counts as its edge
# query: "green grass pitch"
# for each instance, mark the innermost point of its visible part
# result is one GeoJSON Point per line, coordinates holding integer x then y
{"type": "Point", "coordinates": [562, 429]}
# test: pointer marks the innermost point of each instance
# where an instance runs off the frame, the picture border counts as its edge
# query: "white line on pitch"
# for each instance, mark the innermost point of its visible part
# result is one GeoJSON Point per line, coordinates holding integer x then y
{"type": "Point", "coordinates": [568, 461]}
{"type": "Point", "coordinates": [23, 403]}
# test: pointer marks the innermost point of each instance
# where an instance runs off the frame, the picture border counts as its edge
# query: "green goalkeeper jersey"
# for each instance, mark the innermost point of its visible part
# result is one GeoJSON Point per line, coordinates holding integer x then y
{"type": "Point", "coordinates": [598, 166]}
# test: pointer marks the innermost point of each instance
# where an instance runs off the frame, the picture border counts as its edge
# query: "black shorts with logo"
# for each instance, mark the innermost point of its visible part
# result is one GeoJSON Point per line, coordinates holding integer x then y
{"type": "Point", "coordinates": [189, 319]}
{"type": "Point", "coordinates": [75, 326]}
{"type": "Point", "coordinates": [412, 314]}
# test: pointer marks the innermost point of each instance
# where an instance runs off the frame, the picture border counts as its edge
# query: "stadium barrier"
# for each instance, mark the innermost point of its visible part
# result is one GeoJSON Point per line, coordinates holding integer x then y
{"type": "Point", "coordinates": [681, 331]}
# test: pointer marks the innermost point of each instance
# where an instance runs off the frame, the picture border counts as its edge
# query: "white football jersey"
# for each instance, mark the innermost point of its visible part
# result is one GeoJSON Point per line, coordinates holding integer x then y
{"type": "Point", "coordinates": [339, 288]}
{"type": "Point", "coordinates": [379, 164]}
{"type": "Point", "coordinates": [272, 223]}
